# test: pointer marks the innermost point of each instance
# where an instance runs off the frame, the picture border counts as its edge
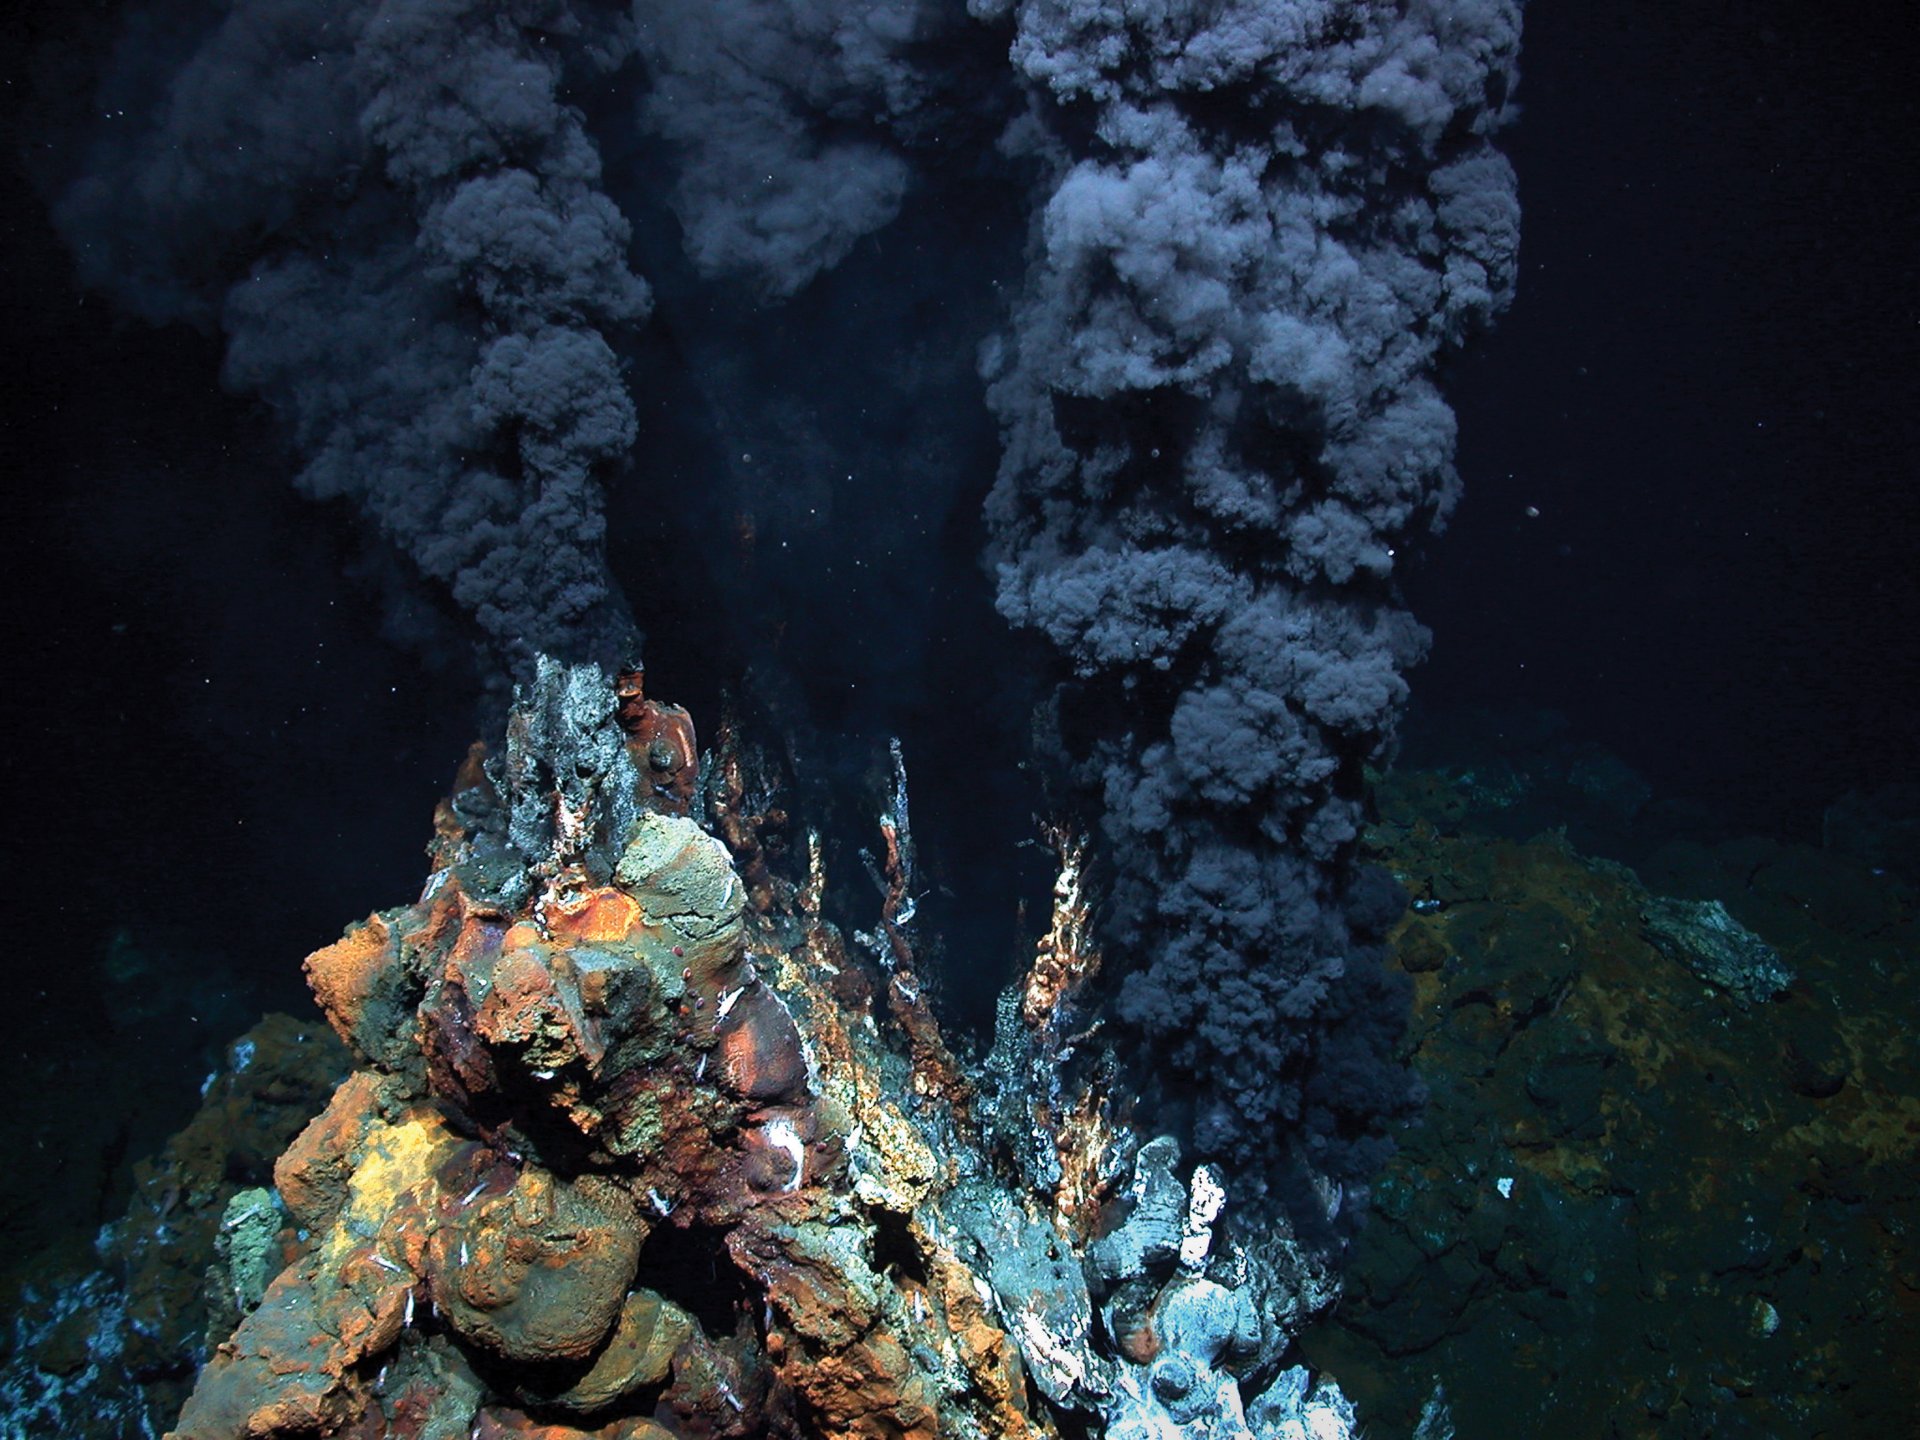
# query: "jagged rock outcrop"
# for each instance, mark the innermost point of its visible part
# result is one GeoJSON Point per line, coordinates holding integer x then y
{"type": "Point", "coordinates": [626, 1155]}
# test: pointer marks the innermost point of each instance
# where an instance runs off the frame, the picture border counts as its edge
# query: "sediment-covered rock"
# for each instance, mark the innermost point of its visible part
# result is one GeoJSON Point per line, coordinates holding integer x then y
{"type": "Point", "coordinates": [109, 1349]}
{"type": "Point", "coordinates": [1717, 948]}
{"type": "Point", "coordinates": [1639, 1204]}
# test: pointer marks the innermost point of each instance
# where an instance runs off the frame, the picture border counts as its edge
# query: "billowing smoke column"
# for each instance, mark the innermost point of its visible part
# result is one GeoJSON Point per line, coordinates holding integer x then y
{"type": "Point", "coordinates": [786, 114]}
{"type": "Point", "coordinates": [1264, 223]}
{"type": "Point", "coordinates": [398, 223]}
{"type": "Point", "coordinates": [1257, 227]}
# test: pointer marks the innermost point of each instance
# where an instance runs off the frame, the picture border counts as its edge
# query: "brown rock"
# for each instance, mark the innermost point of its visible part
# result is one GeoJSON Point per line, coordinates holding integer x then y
{"type": "Point", "coordinates": [539, 1273]}
{"type": "Point", "coordinates": [502, 1423]}
{"type": "Point", "coordinates": [539, 1068]}
{"type": "Point", "coordinates": [650, 1330]}
{"type": "Point", "coordinates": [524, 1011]}
{"type": "Point", "coordinates": [761, 1057]}
{"type": "Point", "coordinates": [313, 1175]}
{"type": "Point", "coordinates": [776, 1150]}
{"type": "Point", "coordinates": [661, 741]}
{"type": "Point", "coordinates": [362, 985]}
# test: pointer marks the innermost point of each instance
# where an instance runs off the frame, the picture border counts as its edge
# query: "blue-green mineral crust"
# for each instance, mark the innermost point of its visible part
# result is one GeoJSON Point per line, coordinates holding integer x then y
{"type": "Point", "coordinates": [1703, 937]}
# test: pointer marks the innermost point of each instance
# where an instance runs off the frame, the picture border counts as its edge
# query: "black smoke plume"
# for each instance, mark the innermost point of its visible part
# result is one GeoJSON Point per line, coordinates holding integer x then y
{"type": "Point", "coordinates": [1252, 231]}
{"type": "Point", "coordinates": [789, 120]}
{"type": "Point", "coordinates": [397, 220]}
{"type": "Point", "coordinates": [1261, 227]}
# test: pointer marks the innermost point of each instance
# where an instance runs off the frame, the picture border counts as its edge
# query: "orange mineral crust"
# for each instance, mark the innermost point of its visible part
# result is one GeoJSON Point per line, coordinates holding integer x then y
{"type": "Point", "coordinates": [612, 1163]}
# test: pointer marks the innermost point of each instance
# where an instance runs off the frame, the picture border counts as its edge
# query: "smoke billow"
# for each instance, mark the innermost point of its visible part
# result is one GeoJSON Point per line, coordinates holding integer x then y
{"type": "Point", "coordinates": [1253, 229]}
{"type": "Point", "coordinates": [787, 116]}
{"type": "Point", "coordinates": [396, 219]}
{"type": "Point", "coordinates": [1262, 225]}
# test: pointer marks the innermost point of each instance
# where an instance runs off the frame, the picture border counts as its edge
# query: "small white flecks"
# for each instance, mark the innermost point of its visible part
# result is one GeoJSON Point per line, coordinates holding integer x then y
{"type": "Point", "coordinates": [464, 1253]}
{"type": "Point", "coordinates": [783, 1137]}
{"type": "Point", "coordinates": [472, 1195]}
{"type": "Point", "coordinates": [1205, 1197]}
{"type": "Point", "coordinates": [386, 1264]}
{"type": "Point", "coordinates": [727, 1002]}
{"type": "Point", "coordinates": [1505, 1186]}
{"type": "Point", "coordinates": [543, 1074]}
{"type": "Point", "coordinates": [232, 1222]}
{"type": "Point", "coordinates": [406, 1317]}
{"type": "Point", "coordinates": [660, 1202]}
{"type": "Point", "coordinates": [700, 1070]}
{"type": "Point", "coordinates": [1324, 1422]}
{"type": "Point", "coordinates": [1048, 1352]}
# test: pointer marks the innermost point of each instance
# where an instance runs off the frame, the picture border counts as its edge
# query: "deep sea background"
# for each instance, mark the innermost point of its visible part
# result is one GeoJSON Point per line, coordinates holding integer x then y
{"type": "Point", "coordinates": [1705, 390]}
{"type": "Point", "coordinates": [1690, 452]}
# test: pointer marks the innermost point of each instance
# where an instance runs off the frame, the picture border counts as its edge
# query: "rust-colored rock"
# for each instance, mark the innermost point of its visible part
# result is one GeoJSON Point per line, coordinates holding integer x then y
{"type": "Point", "coordinates": [314, 1173]}
{"type": "Point", "coordinates": [292, 1366]}
{"type": "Point", "coordinates": [539, 1273]}
{"type": "Point", "coordinates": [761, 1056]}
{"type": "Point", "coordinates": [650, 1332]}
{"type": "Point", "coordinates": [363, 988]}
{"type": "Point", "coordinates": [748, 819]}
{"type": "Point", "coordinates": [661, 740]}
{"type": "Point", "coordinates": [616, 1162]}
{"type": "Point", "coordinates": [854, 1373]}
{"type": "Point", "coordinates": [510, 1424]}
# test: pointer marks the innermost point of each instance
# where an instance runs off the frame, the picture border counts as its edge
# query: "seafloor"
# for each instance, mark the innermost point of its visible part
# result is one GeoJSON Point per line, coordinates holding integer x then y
{"type": "Point", "coordinates": [1648, 1196]}
{"type": "Point", "coordinates": [1638, 1203]}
